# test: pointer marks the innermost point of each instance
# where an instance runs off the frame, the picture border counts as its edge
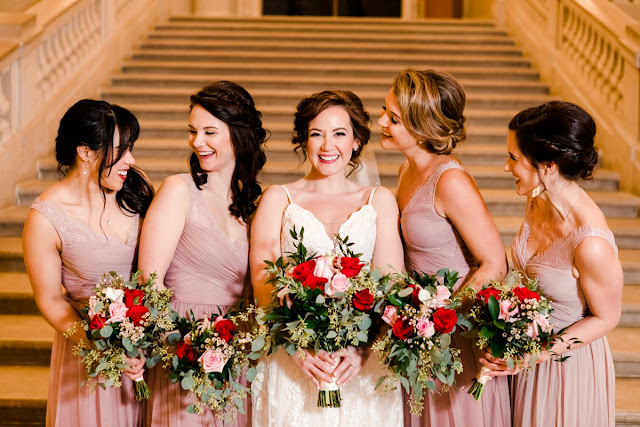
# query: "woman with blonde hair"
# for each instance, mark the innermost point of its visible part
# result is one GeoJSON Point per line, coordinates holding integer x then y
{"type": "Point", "coordinates": [445, 223]}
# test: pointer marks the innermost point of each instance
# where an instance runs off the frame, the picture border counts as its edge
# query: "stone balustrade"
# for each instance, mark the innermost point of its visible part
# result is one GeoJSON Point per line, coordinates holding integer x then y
{"type": "Point", "coordinates": [53, 53]}
{"type": "Point", "coordinates": [589, 53]}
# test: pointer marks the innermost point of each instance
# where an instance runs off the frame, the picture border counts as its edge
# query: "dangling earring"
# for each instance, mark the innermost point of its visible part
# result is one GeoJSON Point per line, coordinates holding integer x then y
{"type": "Point", "coordinates": [538, 190]}
{"type": "Point", "coordinates": [84, 168]}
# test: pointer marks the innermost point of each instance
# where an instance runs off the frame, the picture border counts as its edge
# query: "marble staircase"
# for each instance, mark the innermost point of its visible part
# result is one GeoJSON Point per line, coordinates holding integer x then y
{"type": "Point", "coordinates": [280, 60]}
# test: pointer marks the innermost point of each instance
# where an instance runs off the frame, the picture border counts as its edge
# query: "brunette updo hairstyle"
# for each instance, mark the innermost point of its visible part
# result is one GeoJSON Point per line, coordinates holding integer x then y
{"type": "Point", "coordinates": [92, 124]}
{"type": "Point", "coordinates": [310, 107]}
{"type": "Point", "coordinates": [431, 108]}
{"type": "Point", "coordinates": [558, 132]}
{"type": "Point", "coordinates": [233, 105]}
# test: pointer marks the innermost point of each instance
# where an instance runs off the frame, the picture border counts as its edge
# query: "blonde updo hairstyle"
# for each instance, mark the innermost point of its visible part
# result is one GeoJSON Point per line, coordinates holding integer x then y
{"type": "Point", "coordinates": [431, 107]}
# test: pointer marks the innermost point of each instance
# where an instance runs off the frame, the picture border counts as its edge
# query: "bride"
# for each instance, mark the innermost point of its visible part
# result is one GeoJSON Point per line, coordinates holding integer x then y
{"type": "Point", "coordinates": [331, 128]}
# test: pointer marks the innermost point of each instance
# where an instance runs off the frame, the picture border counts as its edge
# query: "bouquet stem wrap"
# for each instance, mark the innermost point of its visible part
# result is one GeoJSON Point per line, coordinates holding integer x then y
{"type": "Point", "coordinates": [142, 390]}
{"type": "Point", "coordinates": [329, 395]}
{"type": "Point", "coordinates": [479, 382]}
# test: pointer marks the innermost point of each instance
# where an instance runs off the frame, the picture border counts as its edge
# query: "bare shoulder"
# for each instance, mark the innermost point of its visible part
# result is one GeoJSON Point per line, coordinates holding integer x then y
{"type": "Point", "coordinates": [274, 195]}
{"type": "Point", "coordinates": [455, 180]}
{"type": "Point", "coordinates": [60, 192]}
{"type": "Point", "coordinates": [175, 185]}
{"type": "Point", "coordinates": [384, 200]}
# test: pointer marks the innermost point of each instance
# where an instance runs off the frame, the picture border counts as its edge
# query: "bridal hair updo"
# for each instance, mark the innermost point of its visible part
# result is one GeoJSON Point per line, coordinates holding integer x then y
{"type": "Point", "coordinates": [558, 132]}
{"type": "Point", "coordinates": [431, 107]}
{"type": "Point", "coordinates": [93, 123]}
{"type": "Point", "coordinates": [232, 104]}
{"type": "Point", "coordinates": [310, 107]}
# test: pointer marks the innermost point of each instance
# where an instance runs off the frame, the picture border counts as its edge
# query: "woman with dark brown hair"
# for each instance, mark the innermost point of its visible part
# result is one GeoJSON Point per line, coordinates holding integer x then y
{"type": "Point", "coordinates": [331, 128]}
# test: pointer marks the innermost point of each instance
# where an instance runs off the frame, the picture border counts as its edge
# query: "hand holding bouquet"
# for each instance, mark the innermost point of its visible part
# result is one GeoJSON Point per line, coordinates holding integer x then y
{"type": "Point", "coordinates": [210, 357]}
{"type": "Point", "coordinates": [511, 320]}
{"type": "Point", "coordinates": [322, 303]}
{"type": "Point", "coordinates": [420, 312]}
{"type": "Point", "coordinates": [124, 318]}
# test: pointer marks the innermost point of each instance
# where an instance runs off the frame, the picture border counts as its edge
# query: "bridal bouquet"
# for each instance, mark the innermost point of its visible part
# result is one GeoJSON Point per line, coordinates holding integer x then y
{"type": "Point", "coordinates": [322, 303]}
{"type": "Point", "coordinates": [511, 319]}
{"type": "Point", "coordinates": [123, 318]}
{"type": "Point", "coordinates": [211, 354]}
{"type": "Point", "coordinates": [420, 312]}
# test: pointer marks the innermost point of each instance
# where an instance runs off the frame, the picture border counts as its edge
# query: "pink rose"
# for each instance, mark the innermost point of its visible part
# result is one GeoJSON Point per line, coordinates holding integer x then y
{"type": "Point", "coordinates": [117, 312]}
{"type": "Point", "coordinates": [323, 268]}
{"type": "Point", "coordinates": [187, 338]}
{"type": "Point", "coordinates": [442, 296]}
{"type": "Point", "coordinates": [283, 296]}
{"type": "Point", "coordinates": [532, 328]}
{"type": "Point", "coordinates": [390, 315]}
{"type": "Point", "coordinates": [212, 361]}
{"type": "Point", "coordinates": [339, 283]}
{"type": "Point", "coordinates": [425, 328]}
{"type": "Point", "coordinates": [507, 311]}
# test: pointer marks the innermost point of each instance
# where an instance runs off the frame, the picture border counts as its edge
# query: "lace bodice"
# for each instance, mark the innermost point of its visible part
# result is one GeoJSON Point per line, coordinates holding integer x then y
{"type": "Point", "coordinates": [360, 227]}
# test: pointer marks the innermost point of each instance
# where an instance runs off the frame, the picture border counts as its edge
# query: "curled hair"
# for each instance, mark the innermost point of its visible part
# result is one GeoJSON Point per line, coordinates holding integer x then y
{"type": "Point", "coordinates": [431, 107]}
{"type": "Point", "coordinates": [233, 105]}
{"type": "Point", "coordinates": [558, 132]}
{"type": "Point", "coordinates": [93, 124]}
{"type": "Point", "coordinates": [310, 107]}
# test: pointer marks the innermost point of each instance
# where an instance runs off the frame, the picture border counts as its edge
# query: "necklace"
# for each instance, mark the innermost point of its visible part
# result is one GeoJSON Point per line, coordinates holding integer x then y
{"type": "Point", "coordinates": [545, 225]}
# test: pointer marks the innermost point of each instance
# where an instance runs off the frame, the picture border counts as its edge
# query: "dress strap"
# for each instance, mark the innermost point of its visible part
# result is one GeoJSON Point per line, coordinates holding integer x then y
{"type": "Point", "coordinates": [589, 230]}
{"type": "Point", "coordinates": [286, 190]}
{"type": "Point", "coordinates": [435, 177]}
{"type": "Point", "coordinates": [373, 190]}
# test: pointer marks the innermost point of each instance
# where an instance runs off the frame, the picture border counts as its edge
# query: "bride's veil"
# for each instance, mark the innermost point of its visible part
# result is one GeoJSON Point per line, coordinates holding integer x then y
{"type": "Point", "coordinates": [367, 173]}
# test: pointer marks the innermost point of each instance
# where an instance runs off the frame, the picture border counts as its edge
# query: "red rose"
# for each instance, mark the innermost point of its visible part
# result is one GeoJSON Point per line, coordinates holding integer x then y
{"type": "Point", "coordinates": [186, 352]}
{"type": "Point", "coordinates": [133, 297]}
{"type": "Point", "coordinates": [313, 282]}
{"type": "Point", "coordinates": [350, 266]}
{"type": "Point", "coordinates": [302, 271]}
{"type": "Point", "coordinates": [486, 293]}
{"type": "Point", "coordinates": [524, 293]}
{"type": "Point", "coordinates": [97, 322]}
{"type": "Point", "coordinates": [415, 300]}
{"type": "Point", "coordinates": [363, 300]}
{"type": "Point", "coordinates": [402, 328]}
{"type": "Point", "coordinates": [444, 320]}
{"type": "Point", "coordinates": [136, 312]}
{"type": "Point", "coordinates": [225, 329]}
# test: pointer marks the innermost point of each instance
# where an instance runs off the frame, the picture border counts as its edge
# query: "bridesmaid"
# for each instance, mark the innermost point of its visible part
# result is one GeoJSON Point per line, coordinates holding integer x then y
{"type": "Point", "coordinates": [81, 227]}
{"type": "Point", "coordinates": [566, 244]}
{"type": "Point", "coordinates": [444, 222]}
{"type": "Point", "coordinates": [195, 237]}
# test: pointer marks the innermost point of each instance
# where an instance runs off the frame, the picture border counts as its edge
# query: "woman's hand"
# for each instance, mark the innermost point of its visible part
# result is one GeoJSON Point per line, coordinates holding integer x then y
{"type": "Point", "coordinates": [351, 360]}
{"type": "Point", "coordinates": [135, 369]}
{"type": "Point", "coordinates": [318, 367]}
{"type": "Point", "coordinates": [498, 367]}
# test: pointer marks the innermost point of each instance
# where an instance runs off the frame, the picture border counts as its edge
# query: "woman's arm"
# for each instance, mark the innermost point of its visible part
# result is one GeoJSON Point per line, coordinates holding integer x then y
{"type": "Point", "coordinates": [41, 247]}
{"type": "Point", "coordinates": [458, 198]}
{"type": "Point", "coordinates": [162, 228]}
{"type": "Point", "coordinates": [601, 279]}
{"type": "Point", "coordinates": [388, 254]}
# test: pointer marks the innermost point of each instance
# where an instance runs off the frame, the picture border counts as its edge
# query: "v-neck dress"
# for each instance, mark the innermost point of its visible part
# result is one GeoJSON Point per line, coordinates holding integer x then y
{"type": "Point", "coordinates": [282, 394]}
{"type": "Point", "coordinates": [86, 255]}
{"type": "Point", "coordinates": [432, 242]}
{"type": "Point", "coordinates": [581, 390]}
{"type": "Point", "coordinates": [208, 272]}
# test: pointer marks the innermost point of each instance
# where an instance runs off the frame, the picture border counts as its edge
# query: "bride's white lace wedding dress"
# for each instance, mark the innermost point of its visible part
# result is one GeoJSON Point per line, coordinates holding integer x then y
{"type": "Point", "coordinates": [282, 394]}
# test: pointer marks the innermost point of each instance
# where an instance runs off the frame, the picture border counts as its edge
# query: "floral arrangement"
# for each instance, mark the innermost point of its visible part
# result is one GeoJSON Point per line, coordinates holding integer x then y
{"type": "Point", "coordinates": [511, 320]}
{"type": "Point", "coordinates": [124, 318]}
{"type": "Point", "coordinates": [211, 354]}
{"type": "Point", "coordinates": [421, 315]}
{"type": "Point", "coordinates": [325, 302]}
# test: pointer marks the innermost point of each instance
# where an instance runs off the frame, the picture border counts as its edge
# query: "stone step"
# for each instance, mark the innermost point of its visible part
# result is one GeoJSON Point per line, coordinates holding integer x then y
{"type": "Point", "coordinates": [626, 230]}
{"type": "Point", "coordinates": [16, 296]}
{"type": "Point", "coordinates": [627, 402]}
{"type": "Point", "coordinates": [382, 69]}
{"type": "Point", "coordinates": [23, 395]}
{"type": "Point", "coordinates": [12, 220]}
{"type": "Point", "coordinates": [283, 171]}
{"type": "Point", "coordinates": [625, 350]}
{"type": "Point", "coordinates": [372, 100]}
{"type": "Point", "coordinates": [336, 37]}
{"type": "Point", "coordinates": [630, 306]}
{"type": "Point", "coordinates": [11, 255]}
{"type": "Point", "coordinates": [313, 83]}
{"type": "Point", "coordinates": [258, 43]}
{"type": "Point", "coordinates": [337, 57]}
{"type": "Point", "coordinates": [25, 340]}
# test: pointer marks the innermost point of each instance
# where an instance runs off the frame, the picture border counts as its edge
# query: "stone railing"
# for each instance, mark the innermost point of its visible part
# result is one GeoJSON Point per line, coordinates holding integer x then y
{"type": "Point", "coordinates": [589, 53]}
{"type": "Point", "coordinates": [51, 55]}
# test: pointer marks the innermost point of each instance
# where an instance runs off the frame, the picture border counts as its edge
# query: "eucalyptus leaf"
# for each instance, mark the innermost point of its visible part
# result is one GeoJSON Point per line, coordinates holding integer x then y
{"type": "Point", "coordinates": [362, 336]}
{"type": "Point", "coordinates": [331, 335]}
{"type": "Point", "coordinates": [101, 366]}
{"type": "Point", "coordinates": [320, 299]}
{"type": "Point", "coordinates": [128, 345]}
{"type": "Point", "coordinates": [445, 341]}
{"type": "Point", "coordinates": [251, 374]}
{"type": "Point", "coordinates": [365, 323]}
{"type": "Point", "coordinates": [187, 382]}
{"type": "Point", "coordinates": [405, 384]}
{"type": "Point", "coordinates": [379, 383]}
{"type": "Point", "coordinates": [173, 338]}
{"type": "Point", "coordinates": [258, 344]}
{"type": "Point", "coordinates": [405, 292]}
{"type": "Point", "coordinates": [106, 331]}
{"type": "Point", "coordinates": [191, 409]}
{"type": "Point", "coordinates": [174, 362]}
